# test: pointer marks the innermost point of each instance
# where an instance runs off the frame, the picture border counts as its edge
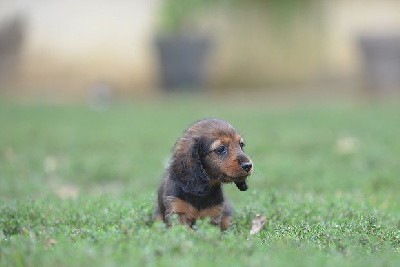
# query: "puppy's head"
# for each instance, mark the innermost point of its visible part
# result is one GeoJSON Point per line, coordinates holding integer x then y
{"type": "Point", "coordinates": [210, 151]}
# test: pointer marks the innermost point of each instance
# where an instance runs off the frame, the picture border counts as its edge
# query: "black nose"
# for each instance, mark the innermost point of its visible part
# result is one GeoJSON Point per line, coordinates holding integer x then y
{"type": "Point", "coordinates": [246, 166]}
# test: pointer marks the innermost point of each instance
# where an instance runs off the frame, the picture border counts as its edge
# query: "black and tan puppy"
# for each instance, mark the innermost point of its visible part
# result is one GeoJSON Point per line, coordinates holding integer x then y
{"type": "Point", "coordinates": [208, 154]}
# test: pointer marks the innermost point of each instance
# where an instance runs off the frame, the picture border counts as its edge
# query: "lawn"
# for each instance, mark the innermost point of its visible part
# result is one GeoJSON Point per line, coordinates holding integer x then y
{"type": "Point", "coordinates": [77, 185]}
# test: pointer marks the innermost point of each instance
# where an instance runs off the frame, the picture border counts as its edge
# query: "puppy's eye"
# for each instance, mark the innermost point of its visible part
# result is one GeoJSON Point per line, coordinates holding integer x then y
{"type": "Point", "coordinates": [221, 150]}
{"type": "Point", "coordinates": [241, 144]}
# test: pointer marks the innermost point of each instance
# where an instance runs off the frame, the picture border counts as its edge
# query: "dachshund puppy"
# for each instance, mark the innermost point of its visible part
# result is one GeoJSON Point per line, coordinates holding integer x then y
{"type": "Point", "coordinates": [208, 154]}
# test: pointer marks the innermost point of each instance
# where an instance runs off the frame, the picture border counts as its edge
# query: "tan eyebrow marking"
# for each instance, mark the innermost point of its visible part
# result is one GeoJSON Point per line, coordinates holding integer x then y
{"type": "Point", "coordinates": [240, 139]}
{"type": "Point", "coordinates": [215, 144]}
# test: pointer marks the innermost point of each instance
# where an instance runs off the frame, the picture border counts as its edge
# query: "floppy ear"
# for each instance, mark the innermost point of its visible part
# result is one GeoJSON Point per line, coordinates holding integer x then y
{"type": "Point", "coordinates": [186, 168]}
{"type": "Point", "coordinates": [242, 186]}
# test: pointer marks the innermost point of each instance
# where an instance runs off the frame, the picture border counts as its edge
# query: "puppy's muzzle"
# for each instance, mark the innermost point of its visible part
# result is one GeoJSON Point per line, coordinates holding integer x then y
{"type": "Point", "coordinates": [247, 166]}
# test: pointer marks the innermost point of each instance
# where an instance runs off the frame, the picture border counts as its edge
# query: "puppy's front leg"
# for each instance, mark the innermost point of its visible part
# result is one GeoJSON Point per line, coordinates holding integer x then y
{"type": "Point", "coordinates": [185, 220]}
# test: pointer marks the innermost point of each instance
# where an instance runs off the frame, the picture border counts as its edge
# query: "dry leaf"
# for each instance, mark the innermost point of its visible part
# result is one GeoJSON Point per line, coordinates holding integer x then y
{"type": "Point", "coordinates": [50, 242]}
{"type": "Point", "coordinates": [50, 164]}
{"type": "Point", "coordinates": [347, 145]}
{"type": "Point", "coordinates": [257, 224]}
{"type": "Point", "coordinates": [67, 192]}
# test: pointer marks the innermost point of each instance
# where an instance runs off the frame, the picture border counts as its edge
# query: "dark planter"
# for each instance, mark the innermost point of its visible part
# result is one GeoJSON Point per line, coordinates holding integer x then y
{"type": "Point", "coordinates": [182, 61]}
{"type": "Point", "coordinates": [12, 33]}
{"type": "Point", "coordinates": [381, 56]}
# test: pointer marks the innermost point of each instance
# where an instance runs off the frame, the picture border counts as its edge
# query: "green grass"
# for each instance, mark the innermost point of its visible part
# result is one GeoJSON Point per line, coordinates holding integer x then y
{"type": "Point", "coordinates": [77, 186]}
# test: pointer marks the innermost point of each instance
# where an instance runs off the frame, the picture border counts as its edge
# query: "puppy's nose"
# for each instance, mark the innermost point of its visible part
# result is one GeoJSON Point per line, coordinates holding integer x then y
{"type": "Point", "coordinates": [246, 166]}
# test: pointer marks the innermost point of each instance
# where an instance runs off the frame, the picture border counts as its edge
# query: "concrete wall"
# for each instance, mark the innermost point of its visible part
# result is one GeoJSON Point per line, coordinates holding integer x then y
{"type": "Point", "coordinates": [81, 42]}
{"type": "Point", "coordinates": [346, 21]}
{"type": "Point", "coordinates": [73, 44]}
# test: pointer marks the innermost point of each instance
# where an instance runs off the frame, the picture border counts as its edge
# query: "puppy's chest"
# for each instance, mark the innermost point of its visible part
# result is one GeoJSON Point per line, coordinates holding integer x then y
{"type": "Point", "coordinates": [180, 206]}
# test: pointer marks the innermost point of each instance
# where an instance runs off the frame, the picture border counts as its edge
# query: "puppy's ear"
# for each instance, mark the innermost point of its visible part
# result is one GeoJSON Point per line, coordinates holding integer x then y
{"type": "Point", "coordinates": [242, 186]}
{"type": "Point", "coordinates": [186, 168]}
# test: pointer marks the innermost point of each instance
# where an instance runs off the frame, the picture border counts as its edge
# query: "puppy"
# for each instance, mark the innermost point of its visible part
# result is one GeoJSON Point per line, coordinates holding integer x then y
{"type": "Point", "coordinates": [209, 154]}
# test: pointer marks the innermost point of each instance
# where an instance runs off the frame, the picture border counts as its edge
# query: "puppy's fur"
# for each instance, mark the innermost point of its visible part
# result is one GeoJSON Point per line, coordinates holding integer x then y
{"type": "Point", "coordinates": [208, 154]}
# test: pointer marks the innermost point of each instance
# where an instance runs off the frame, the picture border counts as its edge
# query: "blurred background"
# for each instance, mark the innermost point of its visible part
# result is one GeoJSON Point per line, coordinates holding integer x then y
{"type": "Point", "coordinates": [75, 49]}
{"type": "Point", "coordinates": [94, 93]}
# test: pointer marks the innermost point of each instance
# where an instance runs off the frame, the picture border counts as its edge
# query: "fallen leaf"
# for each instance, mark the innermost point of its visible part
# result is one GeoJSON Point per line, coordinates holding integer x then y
{"type": "Point", "coordinates": [50, 242]}
{"type": "Point", "coordinates": [258, 223]}
{"type": "Point", "coordinates": [50, 164]}
{"type": "Point", "coordinates": [347, 145]}
{"type": "Point", "coordinates": [67, 192]}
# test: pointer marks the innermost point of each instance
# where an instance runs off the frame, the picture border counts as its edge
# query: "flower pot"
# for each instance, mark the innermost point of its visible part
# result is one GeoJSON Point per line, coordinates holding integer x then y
{"type": "Point", "coordinates": [381, 56]}
{"type": "Point", "coordinates": [182, 61]}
